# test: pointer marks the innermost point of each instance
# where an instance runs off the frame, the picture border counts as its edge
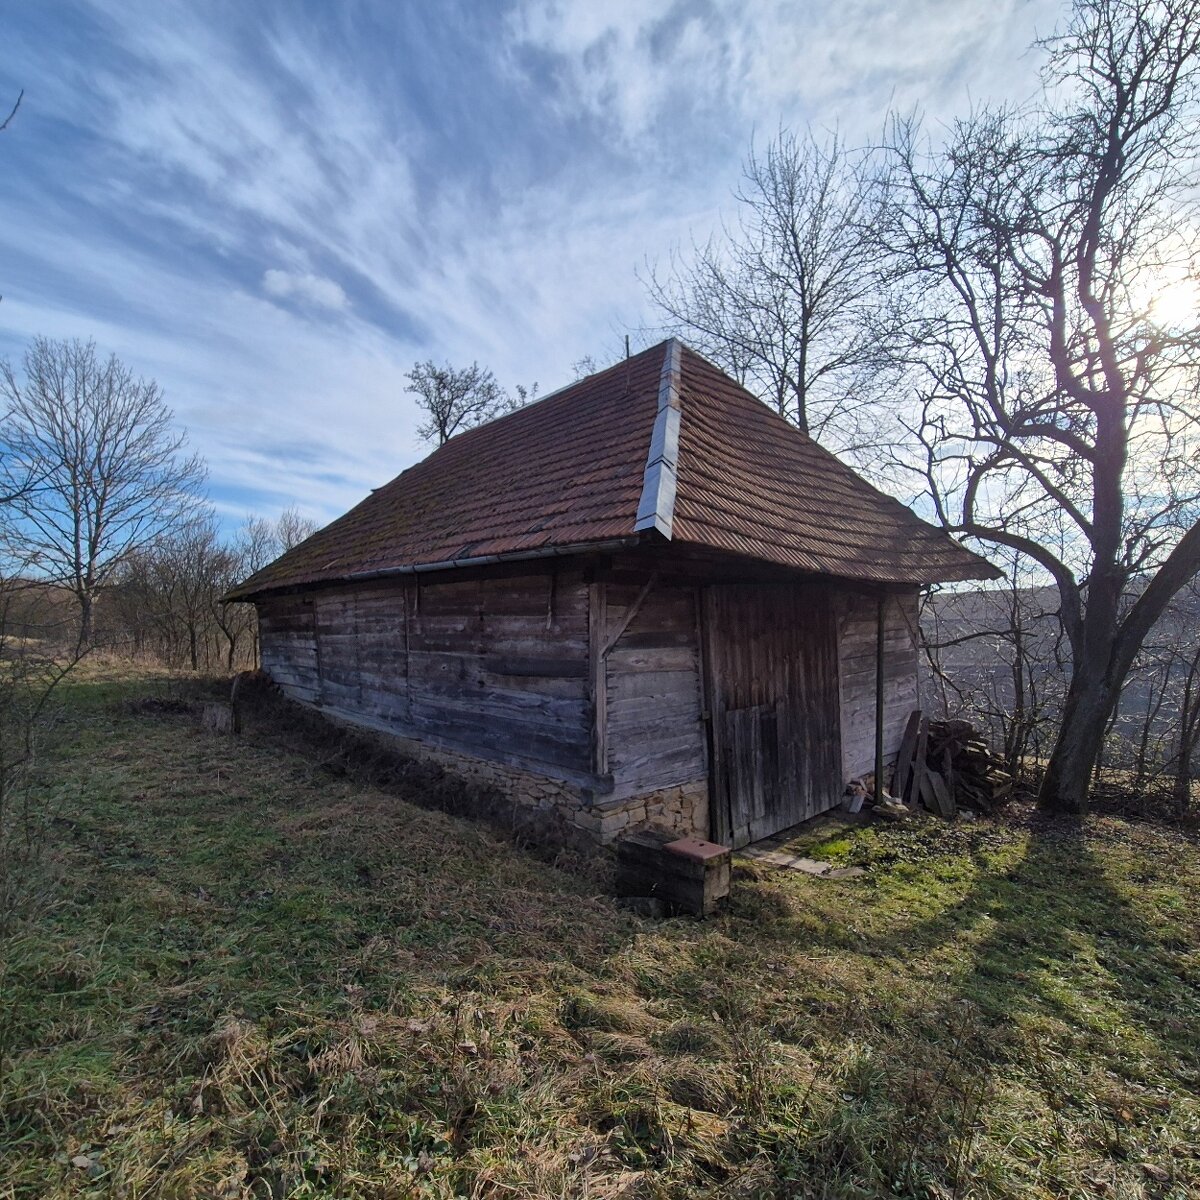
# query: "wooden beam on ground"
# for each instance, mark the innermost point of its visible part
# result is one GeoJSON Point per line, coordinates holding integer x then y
{"type": "Point", "coordinates": [904, 760]}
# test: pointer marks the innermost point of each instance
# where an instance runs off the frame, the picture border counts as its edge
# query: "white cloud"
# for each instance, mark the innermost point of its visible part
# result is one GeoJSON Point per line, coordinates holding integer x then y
{"type": "Point", "coordinates": [307, 288]}
{"type": "Point", "coordinates": [636, 64]}
{"type": "Point", "coordinates": [222, 158]}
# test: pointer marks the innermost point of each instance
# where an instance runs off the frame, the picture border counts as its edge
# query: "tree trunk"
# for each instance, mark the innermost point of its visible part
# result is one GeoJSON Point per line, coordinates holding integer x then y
{"type": "Point", "coordinates": [1181, 785]}
{"type": "Point", "coordinates": [192, 649]}
{"type": "Point", "coordinates": [87, 619]}
{"type": "Point", "coordinates": [1068, 779]}
{"type": "Point", "coordinates": [1189, 735]}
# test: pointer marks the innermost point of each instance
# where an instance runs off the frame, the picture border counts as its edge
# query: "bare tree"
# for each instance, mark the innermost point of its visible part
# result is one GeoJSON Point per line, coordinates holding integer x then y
{"type": "Point", "coordinates": [167, 598]}
{"type": "Point", "coordinates": [1187, 734]}
{"type": "Point", "coordinates": [995, 658]}
{"type": "Point", "coordinates": [191, 569]}
{"type": "Point", "coordinates": [454, 400]}
{"type": "Point", "coordinates": [111, 473]}
{"type": "Point", "coordinates": [1056, 391]}
{"type": "Point", "coordinates": [290, 530]}
{"type": "Point", "coordinates": [783, 300]}
{"type": "Point", "coordinates": [257, 543]}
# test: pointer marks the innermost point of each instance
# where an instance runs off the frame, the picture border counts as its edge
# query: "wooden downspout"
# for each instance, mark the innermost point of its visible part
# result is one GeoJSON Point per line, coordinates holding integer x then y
{"type": "Point", "coordinates": [879, 626]}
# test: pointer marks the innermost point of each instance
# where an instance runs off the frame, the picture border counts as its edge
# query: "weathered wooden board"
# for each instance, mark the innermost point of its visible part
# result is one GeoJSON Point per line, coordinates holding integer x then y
{"type": "Point", "coordinates": [773, 670]}
{"type": "Point", "coordinates": [857, 627]}
{"type": "Point", "coordinates": [288, 640]}
{"type": "Point", "coordinates": [653, 727]}
{"type": "Point", "coordinates": [492, 665]}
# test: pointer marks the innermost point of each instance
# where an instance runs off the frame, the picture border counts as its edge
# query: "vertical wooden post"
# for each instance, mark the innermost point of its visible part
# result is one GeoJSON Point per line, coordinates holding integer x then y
{"type": "Point", "coordinates": [720, 815]}
{"type": "Point", "coordinates": [407, 656]}
{"type": "Point", "coordinates": [598, 674]}
{"type": "Point", "coordinates": [879, 628]}
{"type": "Point", "coordinates": [311, 605]}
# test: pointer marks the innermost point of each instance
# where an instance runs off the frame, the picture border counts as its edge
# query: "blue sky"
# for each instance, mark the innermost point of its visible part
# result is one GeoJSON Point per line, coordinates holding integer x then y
{"type": "Point", "coordinates": [275, 208]}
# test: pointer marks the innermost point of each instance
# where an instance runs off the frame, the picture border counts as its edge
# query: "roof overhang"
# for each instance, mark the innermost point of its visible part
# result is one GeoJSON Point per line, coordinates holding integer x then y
{"type": "Point", "coordinates": [248, 592]}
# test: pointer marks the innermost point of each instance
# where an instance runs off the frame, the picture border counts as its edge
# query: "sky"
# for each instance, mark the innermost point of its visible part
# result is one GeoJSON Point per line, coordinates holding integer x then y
{"type": "Point", "coordinates": [275, 208]}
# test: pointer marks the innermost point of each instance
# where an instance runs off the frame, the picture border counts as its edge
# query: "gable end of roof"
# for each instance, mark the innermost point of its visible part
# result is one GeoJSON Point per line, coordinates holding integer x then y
{"type": "Point", "coordinates": [656, 509]}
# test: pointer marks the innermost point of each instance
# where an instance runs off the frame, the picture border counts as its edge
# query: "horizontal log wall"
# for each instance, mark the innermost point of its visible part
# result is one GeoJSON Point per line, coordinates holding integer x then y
{"type": "Point", "coordinates": [501, 667]}
{"type": "Point", "coordinates": [288, 646]}
{"type": "Point", "coordinates": [655, 737]}
{"type": "Point", "coordinates": [495, 666]}
{"type": "Point", "coordinates": [856, 636]}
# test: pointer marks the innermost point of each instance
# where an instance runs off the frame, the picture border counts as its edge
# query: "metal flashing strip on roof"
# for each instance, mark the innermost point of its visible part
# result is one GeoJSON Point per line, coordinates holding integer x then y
{"type": "Point", "coordinates": [656, 509]}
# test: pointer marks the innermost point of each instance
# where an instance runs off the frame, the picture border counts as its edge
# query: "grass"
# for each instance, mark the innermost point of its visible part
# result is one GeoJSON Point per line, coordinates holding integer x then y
{"type": "Point", "coordinates": [259, 977]}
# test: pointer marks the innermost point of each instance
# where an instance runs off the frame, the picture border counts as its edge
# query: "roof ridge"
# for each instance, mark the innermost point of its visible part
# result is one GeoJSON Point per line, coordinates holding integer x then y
{"type": "Point", "coordinates": [656, 508]}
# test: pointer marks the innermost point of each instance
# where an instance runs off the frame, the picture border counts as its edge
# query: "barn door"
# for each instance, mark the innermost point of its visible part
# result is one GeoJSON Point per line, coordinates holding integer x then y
{"type": "Point", "coordinates": [774, 707]}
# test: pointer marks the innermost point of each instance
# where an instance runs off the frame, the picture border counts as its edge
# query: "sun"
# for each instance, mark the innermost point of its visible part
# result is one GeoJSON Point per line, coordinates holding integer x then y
{"type": "Point", "coordinates": [1176, 305]}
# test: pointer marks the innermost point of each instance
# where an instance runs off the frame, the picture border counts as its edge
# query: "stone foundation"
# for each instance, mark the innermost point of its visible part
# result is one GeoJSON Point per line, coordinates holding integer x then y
{"type": "Point", "coordinates": [681, 808]}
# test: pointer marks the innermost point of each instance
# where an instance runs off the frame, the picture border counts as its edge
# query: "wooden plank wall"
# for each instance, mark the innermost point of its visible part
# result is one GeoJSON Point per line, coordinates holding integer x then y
{"type": "Point", "coordinates": [774, 668]}
{"type": "Point", "coordinates": [499, 666]}
{"type": "Point", "coordinates": [857, 627]}
{"type": "Point", "coordinates": [655, 737]}
{"type": "Point", "coordinates": [288, 645]}
{"type": "Point", "coordinates": [496, 666]}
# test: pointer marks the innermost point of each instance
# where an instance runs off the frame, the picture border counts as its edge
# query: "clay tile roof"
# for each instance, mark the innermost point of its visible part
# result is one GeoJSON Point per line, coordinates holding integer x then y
{"type": "Point", "coordinates": [663, 444]}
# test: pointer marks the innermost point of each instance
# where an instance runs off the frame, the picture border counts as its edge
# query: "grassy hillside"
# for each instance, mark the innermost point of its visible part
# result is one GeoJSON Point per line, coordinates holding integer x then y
{"type": "Point", "coordinates": [258, 978]}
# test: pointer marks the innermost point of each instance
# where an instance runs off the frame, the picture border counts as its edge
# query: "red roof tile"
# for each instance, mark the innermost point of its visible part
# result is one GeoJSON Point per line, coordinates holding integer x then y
{"type": "Point", "coordinates": [571, 471]}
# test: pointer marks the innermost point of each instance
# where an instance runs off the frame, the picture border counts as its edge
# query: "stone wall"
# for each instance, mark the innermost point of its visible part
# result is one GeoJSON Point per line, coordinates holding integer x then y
{"type": "Point", "coordinates": [683, 809]}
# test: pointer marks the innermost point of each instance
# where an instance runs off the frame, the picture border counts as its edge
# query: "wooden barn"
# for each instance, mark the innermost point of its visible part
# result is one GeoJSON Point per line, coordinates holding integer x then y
{"type": "Point", "coordinates": [645, 598]}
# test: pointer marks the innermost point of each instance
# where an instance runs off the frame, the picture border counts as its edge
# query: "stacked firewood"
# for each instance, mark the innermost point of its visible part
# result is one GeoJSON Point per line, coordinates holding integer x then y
{"type": "Point", "coordinates": [945, 765]}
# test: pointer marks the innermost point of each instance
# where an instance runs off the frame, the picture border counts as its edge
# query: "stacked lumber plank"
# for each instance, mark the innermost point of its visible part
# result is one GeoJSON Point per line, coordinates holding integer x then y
{"type": "Point", "coordinates": [945, 765]}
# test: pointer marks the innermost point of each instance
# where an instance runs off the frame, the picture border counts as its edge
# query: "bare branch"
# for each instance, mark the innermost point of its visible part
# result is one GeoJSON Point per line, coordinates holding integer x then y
{"type": "Point", "coordinates": [5, 123]}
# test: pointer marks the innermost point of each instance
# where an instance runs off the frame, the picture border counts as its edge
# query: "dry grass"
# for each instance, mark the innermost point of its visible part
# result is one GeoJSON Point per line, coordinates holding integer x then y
{"type": "Point", "coordinates": [261, 976]}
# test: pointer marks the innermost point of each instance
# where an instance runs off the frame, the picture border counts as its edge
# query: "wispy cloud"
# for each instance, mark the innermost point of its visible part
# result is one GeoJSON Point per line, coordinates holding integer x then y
{"type": "Point", "coordinates": [275, 209]}
{"type": "Point", "coordinates": [305, 287]}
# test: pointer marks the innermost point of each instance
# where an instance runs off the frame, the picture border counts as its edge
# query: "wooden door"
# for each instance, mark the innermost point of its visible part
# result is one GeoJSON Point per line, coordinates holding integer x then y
{"type": "Point", "coordinates": [773, 703]}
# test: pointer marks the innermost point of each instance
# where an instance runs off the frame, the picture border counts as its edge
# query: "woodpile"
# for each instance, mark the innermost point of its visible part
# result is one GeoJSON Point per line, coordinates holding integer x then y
{"type": "Point", "coordinates": [947, 765]}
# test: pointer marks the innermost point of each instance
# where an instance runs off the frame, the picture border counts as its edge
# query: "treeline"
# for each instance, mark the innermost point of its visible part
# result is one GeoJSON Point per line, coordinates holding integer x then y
{"type": "Point", "coordinates": [165, 601]}
{"type": "Point", "coordinates": [106, 536]}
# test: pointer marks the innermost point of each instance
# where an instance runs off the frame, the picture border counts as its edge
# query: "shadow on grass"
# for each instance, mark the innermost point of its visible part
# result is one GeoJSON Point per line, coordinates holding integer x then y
{"type": "Point", "coordinates": [1052, 936]}
{"type": "Point", "coordinates": [1039, 1003]}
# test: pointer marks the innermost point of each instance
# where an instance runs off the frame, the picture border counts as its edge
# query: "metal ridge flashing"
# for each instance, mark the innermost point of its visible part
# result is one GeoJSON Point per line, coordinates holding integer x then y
{"type": "Point", "coordinates": [656, 509]}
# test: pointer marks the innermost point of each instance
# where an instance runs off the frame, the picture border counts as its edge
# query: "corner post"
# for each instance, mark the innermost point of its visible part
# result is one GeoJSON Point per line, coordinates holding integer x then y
{"type": "Point", "coordinates": [598, 674]}
{"type": "Point", "coordinates": [880, 612]}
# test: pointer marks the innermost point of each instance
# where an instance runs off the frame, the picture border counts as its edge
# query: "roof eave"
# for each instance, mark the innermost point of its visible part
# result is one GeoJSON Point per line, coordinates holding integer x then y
{"type": "Point", "coordinates": [608, 546]}
{"type": "Point", "coordinates": [980, 569]}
